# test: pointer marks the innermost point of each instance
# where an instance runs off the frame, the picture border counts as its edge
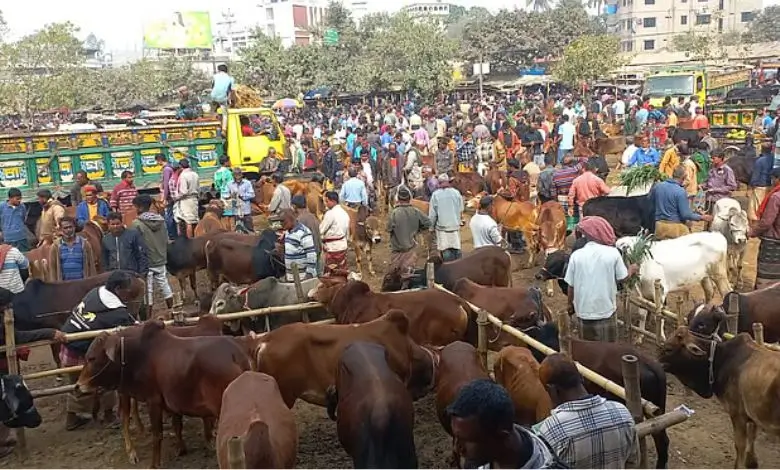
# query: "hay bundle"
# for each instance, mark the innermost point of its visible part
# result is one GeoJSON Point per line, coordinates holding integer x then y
{"type": "Point", "coordinates": [247, 97]}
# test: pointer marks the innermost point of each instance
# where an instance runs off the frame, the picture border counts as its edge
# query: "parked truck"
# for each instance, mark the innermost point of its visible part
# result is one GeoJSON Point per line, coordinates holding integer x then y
{"type": "Point", "coordinates": [51, 159]}
{"type": "Point", "coordinates": [694, 82]}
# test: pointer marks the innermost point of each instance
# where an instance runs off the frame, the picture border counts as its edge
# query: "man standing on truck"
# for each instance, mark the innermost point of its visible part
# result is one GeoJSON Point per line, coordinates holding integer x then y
{"type": "Point", "coordinates": [185, 209]}
{"type": "Point", "coordinates": [222, 89]}
{"type": "Point", "coordinates": [78, 190]}
{"type": "Point", "coordinates": [122, 197]}
{"type": "Point", "coordinates": [12, 216]}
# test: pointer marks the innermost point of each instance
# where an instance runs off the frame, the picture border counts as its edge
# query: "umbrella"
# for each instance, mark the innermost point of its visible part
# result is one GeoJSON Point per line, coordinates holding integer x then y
{"type": "Point", "coordinates": [285, 103]}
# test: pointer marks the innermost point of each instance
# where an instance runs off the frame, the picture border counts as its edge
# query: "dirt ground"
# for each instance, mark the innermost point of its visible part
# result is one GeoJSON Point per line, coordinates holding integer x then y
{"type": "Point", "coordinates": [704, 441]}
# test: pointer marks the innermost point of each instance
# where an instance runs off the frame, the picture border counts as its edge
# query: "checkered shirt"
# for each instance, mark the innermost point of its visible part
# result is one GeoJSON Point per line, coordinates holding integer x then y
{"type": "Point", "coordinates": [485, 152]}
{"type": "Point", "coordinates": [591, 433]}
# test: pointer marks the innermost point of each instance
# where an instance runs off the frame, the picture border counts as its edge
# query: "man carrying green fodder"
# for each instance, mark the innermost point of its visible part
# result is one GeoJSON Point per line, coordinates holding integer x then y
{"type": "Point", "coordinates": [672, 210]}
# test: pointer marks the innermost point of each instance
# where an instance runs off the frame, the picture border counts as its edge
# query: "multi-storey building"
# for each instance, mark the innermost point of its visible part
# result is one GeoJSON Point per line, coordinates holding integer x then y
{"type": "Point", "coordinates": [648, 25]}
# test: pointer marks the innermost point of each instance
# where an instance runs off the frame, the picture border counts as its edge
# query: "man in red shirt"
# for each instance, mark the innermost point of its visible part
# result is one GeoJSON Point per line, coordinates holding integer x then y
{"type": "Point", "coordinates": [122, 198]}
{"type": "Point", "coordinates": [584, 187]}
{"type": "Point", "coordinates": [700, 120]}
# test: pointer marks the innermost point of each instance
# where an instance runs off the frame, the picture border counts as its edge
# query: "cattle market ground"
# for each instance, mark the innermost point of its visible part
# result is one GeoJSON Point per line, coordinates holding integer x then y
{"type": "Point", "coordinates": [704, 441]}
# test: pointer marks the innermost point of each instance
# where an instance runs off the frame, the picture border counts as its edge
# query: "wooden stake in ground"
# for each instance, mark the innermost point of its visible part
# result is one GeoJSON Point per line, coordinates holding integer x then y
{"type": "Point", "coordinates": [630, 368]}
{"type": "Point", "coordinates": [13, 369]}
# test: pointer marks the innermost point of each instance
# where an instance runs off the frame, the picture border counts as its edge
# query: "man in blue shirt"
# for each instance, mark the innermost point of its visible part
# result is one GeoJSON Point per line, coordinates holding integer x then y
{"type": "Point", "coordinates": [12, 216]}
{"type": "Point", "coordinates": [353, 192]}
{"type": "Point", "coordinates": [644, 155]}
{"type": "Point", "coordinates": [222, 86]}
{"type": "Point", "coordinates": [672, 209]}
{"type": "Point", "coordinates": [760, 180]}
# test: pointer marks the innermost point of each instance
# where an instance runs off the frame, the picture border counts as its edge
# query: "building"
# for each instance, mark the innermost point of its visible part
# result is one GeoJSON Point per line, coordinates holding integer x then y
{"type": "Point", "coordinates": [430, 9]}
{"type": "Point", "coordinates": [649, 25]}
{"type": "Point", "coordinates": [358, 9]}
{"type": "Point", "coordinates": [291, 20]}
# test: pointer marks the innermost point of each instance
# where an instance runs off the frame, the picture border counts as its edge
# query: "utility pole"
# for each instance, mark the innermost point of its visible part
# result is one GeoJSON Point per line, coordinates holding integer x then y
{"type": "Point", "coordinates": [481, 65]}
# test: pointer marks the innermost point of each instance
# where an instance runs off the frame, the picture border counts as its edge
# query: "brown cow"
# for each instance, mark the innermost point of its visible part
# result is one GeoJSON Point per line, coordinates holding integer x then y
{"type": "Point", "coordinates": [434, 317]}
{"type": "Point", "coordinates": [520, 307]}
{"type": "Point", "coordinates": [208, 325]}
{"type": "Point", "coordinates": [315, 202]}
{"type": "Point", "coordinates": [754, 307]}
{"type": "Point", "coordinates": [364, 233]}
{"type": "Point", "coordinates": [373, 409]}
{"type": "Point", "coordinates": [468, 183]}
{"type": "Point", "coordinates": [253, 410]}
{"type": "Point", "coordinates": [517, 216]}
{"type": "Point", "coordinates": [518, 372]}
{"type": "Point", "coordinates": [496, 180]}
{"type": "Point", "coordinates": [487, 265]}
{"type": "Point", "coordinates": [296, 187]}
{"type": "Point", "coordinates": [93, 232]}
{"type": "Point", "coordinates": [264, 191]}
{"type": "Point", "coordinates": [39, 260]}
{"type": "Point", "coordinates": [185, 376]}
{"type": "Point", "coordinates": [552, 233]}
{"type": "Point", "coordinates": [234, 258]}
{"type": "Point", "coordinates": [458, 365]}
{"type": "Point", "coordinates": [304, 357]}
{"type": "Point", "coordinates": [211, 221]}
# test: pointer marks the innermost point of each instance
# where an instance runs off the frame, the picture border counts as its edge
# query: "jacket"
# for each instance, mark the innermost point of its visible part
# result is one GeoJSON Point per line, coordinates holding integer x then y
{"type": "Point", "coordinates": [100, 309]}
{"type": "Point", "coordinates": [55, 271]}
{"type": "Point", "coordinates": [151, 226]}
{"type": "Point", "coordinates": [12, 222]}
{"type": "Point", "coordinates": [403, 224]}
{"type": "Point", "coordinates": [127, 251]}
{"type": "Point", "coordinates": [82, 211]}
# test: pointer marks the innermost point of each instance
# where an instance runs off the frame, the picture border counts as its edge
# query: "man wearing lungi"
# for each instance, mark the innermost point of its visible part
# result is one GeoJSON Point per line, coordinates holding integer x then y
{"type": "Point", "coordinates": [335, 234]}
{"type": "Point", "coordinates": [185, 208]}
{"type": "Point", "coordinates": [403, 224]}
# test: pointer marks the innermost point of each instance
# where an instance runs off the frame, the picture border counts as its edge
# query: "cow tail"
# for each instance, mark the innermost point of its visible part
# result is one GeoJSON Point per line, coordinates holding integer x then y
{"type": "Point", "coordinates": [509, 271]}
{"type": "Point", "coordinates": [387, 442]}
{"type": "Point", "coordinates": [206, 254]}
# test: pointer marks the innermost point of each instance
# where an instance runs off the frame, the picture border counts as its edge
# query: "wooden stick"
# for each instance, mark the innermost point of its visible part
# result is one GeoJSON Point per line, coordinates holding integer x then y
{"type": "Point", "coordinates": [648, 305]}
{"type": "Point", "coordinates": [482, 341]}
{"type": "Point", "coordinates": [13, 369]}
{"type": "Point", "coordinates": [653, 425]}
{"type": "Point", "coordinates": [731, 314]}
{"type": "Point", "coordinates": [636, 329]}
{"type": "Point", "coordinates": [772, 346]}
{"type": "Point", "coordinates": [680, 314]}
{"type": "Point", "coordinates": [630, 367]}
{"type": "Point", "coordinates": [658, 311]}
{"type": "Point", "coordinates": [296, 274]}
{"type": "Point", "coordinates": [47, 392]}
{"type": "Point", "coordinates": [430, 274]}
{"type": "Point", "coordinates": [225, 316]}
{"type": "Point", "coordinates": [236, 457]}
{"type": "Point", "coordinates": [564, 334]}
{"type": "Point", "coordinates": [49, 373]}
{"type": "Point", "coordinates": [627, 315]}
{"type": "Point", "coordinates": [758, 333]}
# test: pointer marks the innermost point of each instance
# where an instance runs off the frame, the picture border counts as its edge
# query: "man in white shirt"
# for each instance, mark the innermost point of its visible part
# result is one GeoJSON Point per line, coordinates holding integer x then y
{"type": "Point", "coordinates": [627, 153]}
{"type": "Point", "coordinates": [619, 108]}
{"type": "Point", "coordinates": [335, 234]}
{"type": "Point", "coordinates": [566, 133]}
{"type": "Point", "coordinates": [592, 276]}
{"type": "Point", "coordinates": [484, 230]}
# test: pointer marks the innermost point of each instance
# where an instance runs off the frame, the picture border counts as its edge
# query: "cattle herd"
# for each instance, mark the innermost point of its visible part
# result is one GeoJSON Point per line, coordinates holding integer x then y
{"type": "Point", "coordinates": [389, 349]}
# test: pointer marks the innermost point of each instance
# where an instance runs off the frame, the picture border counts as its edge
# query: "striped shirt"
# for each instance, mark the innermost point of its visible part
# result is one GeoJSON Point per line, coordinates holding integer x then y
{"type": "Point", "coordinates": [9, 275]}
{"type": "Point", "coordinates": [563, 179]}
{"type": "Point", "coordinates": [122, 197]}
{"type": "Point", "coordinates": [592, 432]}
{"type": "Point", "coordinates": [72, 260]}
{"type": "Point", "coordinates": [299, 249]}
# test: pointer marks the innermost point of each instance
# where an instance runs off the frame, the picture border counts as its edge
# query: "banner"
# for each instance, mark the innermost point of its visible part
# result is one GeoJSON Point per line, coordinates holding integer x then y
{"type": "Point", "coordinates": [179, 30]}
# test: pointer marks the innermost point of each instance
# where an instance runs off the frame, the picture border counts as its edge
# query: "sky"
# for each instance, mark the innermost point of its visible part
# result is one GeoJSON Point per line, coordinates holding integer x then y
{"type": "Point", "coordinates": [120, 24]}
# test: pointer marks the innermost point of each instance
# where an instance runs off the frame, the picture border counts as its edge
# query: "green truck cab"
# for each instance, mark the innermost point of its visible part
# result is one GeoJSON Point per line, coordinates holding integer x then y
{"type": "Point", "coordinates": [50, 160]}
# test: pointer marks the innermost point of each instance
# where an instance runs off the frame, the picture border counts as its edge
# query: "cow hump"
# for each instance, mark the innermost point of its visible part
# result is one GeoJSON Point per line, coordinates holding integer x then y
{"type": "Point", "coordinates": [398, 318]}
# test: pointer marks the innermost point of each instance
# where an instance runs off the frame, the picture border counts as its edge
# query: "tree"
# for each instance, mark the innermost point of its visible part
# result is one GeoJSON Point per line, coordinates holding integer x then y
{"type": "Point", "coordinates": [704, 46]}
{"type": "Point", "coordinates": [3, 26]}
{"type": "Point", "coordinates": [764, 27]}
{"type": "Point", "coordinates": [588, 58]}
{"type": "Point", "coordinates": [538, 5]}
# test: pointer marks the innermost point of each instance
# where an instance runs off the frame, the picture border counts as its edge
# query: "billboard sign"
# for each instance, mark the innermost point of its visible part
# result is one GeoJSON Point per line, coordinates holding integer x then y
{"type": "Point", "coordinates": [179, 30]}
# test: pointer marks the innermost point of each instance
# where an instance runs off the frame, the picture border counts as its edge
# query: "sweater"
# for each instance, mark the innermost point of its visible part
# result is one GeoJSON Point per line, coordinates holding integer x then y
{"type": "Point", "coordinates": [127, 251]}
{"type": "Point", "coordinates": [151, 226]}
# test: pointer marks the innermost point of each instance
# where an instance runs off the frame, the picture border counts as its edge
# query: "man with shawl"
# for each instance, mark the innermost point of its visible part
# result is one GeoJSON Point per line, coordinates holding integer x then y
{"type": "Point", "coordinates": [592, 275]}
{"type": "Point", "coordinates": [767, 228]}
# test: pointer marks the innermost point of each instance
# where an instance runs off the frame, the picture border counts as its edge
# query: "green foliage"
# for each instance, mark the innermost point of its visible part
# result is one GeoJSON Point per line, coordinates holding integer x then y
{"type": "Point", "coordinates": [764, 27]}
{"type": "Point", "coordinates": [638, 176]}
{"type": "Point", "coordinates": [588, 58]}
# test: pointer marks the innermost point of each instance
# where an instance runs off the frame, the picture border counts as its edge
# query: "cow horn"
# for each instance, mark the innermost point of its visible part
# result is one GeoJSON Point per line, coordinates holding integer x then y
{"type": "Point", "coordinates": [695, 350]}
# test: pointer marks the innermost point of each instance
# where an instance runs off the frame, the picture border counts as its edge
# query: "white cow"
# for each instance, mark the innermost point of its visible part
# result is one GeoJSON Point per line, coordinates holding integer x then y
{"type": "Point", "coordinates": [730, 220]}
{"type": "Point", "coordinates": [697, 258]}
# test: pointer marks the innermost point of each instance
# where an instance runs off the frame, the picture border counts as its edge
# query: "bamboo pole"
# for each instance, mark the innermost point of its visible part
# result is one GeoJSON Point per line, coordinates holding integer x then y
{"type": "Point", "coordinates": [646, 304]}
{"type": "Point", "coordinates": [564, 334]}
{"type": "Point", "coordinates": [758, 333]}
{"type": "Point", "coordinates": [191, 320]}
{"type": "Point", "coordinates": [236, 457]}
{"type": "Point", "coordinates": [772, 346]}
{"type": "Point", "coordinates": [13, 369]}
{"type": "Point", "coordinates": [48, 392]}
{"type": "Point", "coordinates": [653, 425]}
{"type": "Point", "coordinates": [680, 314]}
{"type": "Point", "coordinates": [430, 274]}
{"type": "Point", "coordinates": [627, 316]}
{"type": "Point", "coordinates": [630, 368]}
{"type": "Point", "coordinates": [658, 311]}
{"type": "Point", "coordinates": [603, 382]}
{"type": "Point", "coordinates": [296, 274]}
{"type": "Point", "coordinates": [636, 329]}
{"type": "Point", "coordinates": [731, 315]}
{"type": "Point", "coordinates": [482, 341]}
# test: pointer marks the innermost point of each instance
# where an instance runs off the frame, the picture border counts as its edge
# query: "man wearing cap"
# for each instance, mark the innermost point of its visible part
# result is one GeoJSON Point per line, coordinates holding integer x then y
{"type": "Point", "coordinates": [281, 196]}
{"type": "Point", "coordinates": [335, 233]}
{"type": "Point", "coordinates": [185, 209]}
{"type": "Point", "coordinates": [404, 223]}
{"type": "Point", "coordinates": [445, 212]}
{"type": "Point", "coordinates": [53, 212]}
{"type": "Point", "coordinates": [592, 276]}
{"type": "Point", "coordinates": [241, 193]}
{"type": "Point", "coordinates": [484, 230]}
{"type": "Point", "coordinates": [310, 221]}
{"type": "Point", "coordinates": [584, 430]}
{"type": "Point", "coordinates": [91, 206]}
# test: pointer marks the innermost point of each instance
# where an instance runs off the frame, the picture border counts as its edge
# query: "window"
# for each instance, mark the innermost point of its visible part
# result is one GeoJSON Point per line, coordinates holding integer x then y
{"type": "Point", "coordinates": [649, 22]}
{"type": "Point", "coordinates": [649, 2]}
{"type": "Point", "coordinates": [703, 19]}
{"type": "Point", "coordinates": [627, 46]}
{"type": "Point", "coordinates": [684, 20]}
{"type": "Point", "coordinates": [269, 14]}
{"type": "Point", "coordinates": [300, 16]}
{"type": "Point", "coordinates": [720, 5]}
{"type": "Point", "coordinates": [649, 44]}
{"type": "Point", "coordinates": [747, 16]}
{"type": "Point", "coordinates": [683, 1]}
{"type": "Point", "coordinates": [720, 25]}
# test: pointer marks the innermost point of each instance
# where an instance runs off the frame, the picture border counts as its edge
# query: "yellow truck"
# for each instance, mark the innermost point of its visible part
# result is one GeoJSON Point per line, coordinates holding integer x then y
{"type": "Point", "coordinates": [33, 161]}
{"type": "Point", "coordinates": [702, 83]}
